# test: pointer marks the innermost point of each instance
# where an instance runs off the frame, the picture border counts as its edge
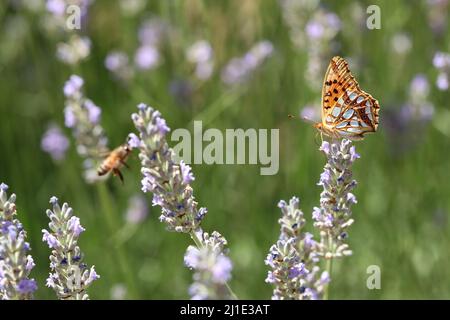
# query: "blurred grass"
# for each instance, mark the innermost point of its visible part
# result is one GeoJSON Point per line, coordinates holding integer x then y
{"type": "Point", "coordinates": [403, 198]}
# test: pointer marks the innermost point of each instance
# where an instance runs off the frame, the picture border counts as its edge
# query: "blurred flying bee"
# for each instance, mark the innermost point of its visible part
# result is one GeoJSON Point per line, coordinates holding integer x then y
{"type": "Point", "coordinates": [115, 160]}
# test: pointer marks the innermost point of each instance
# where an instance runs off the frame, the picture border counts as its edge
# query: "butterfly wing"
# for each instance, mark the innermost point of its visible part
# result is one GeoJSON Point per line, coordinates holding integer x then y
{"type": "Point", "coordinates": [347, 111]}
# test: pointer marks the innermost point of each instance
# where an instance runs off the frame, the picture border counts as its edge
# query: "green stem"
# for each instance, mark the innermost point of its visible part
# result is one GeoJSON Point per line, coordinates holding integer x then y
{"type": "Point", "coordinates": [329, 267]}
{"type": "Point", "coordinates": [199, 245]}
{"type": "Point", "coordinates": [108, 212]}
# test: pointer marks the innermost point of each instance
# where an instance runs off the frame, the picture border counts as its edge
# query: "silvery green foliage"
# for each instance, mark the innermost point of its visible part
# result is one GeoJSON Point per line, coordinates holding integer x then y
{"type": "Point", "coordinates": [333, 217]}
{"type": "Point", "coordinates": [83, 117]}
{"type": "Point", "coordinates": [212, 268]}
{"type": "Point", "coordinates": [15, 263]}
{"type": "Point", "coordinates": [70, 276]}
{"type": "Point", "coordinates": [293, 259]}
{"type": "Point", "coordinates": [168, 181]}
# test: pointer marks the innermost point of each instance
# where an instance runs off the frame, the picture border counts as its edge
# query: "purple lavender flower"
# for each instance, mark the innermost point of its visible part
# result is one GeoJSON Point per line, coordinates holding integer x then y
{"type": "Point", "coordinates": [51, 240]}
{"type": "Point", "coordinates": [239, 69]}
{"type": "Point", "coordinates": [170, 184]}
{"type": "Point", "coordinates": [73, 86]}
{"type": "Point", "coordinates": [334, 215]}
{"type": "Point", "coordinates": [116, 60]}
{"type": "Point", "coordinates": [221, 271]}
{"type": "Point", "coordinates": [200, 53]}
{"type": "Point", "coordinates": [56, 7]}
{"type": "Point", "coordinates": [442, 81]}
{"type": "Point", "coordinates": [55, 143]}
{"type": "Point", "coordinates": [118, 63]}
{"type": "Point", "coordinates": [15, 262]}
{"type": "Point", "coordinates": [186, 172]}
{"type": "Point", "coordinates": [133, 141]}
{"type": "Point", "coordinates": [441, 61]}
{"type": "Point", "coordinates": [94, 112]}
{"type": "Point", "coordinates": [419, 86]}
{"type": "Point", "coordinates": [147, 57]}
{"type": "Point", "coordinates": [211, 266]}
{"type": "Point", "coordinates": [83, 117]}
{"type": "Point", "coordinates": [73, 225]}
{"type": "Point", "coordinates": [159, 170]}
{"type": "Point", "coordinates": [293, 259]}
{"type": "Point", "coordinates": [314, 29]}
{"type": "Point", "coordinates": [152, 32]}
{"type": "Point", "coordinates": [70, 277]}
{"type": "Point", "coordinates": [310, 112]}
{"type": "Point", "coordinates": [27, 286]}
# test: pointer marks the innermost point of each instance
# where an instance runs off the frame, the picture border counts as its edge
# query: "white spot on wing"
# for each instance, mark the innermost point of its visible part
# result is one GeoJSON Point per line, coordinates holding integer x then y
{"type": "Point", "coordinates": [352, 96]}
{"type": "Point", "coordinates": [348, 114]}
{"type": "Point", "coordinates": [360, 99]}
{"type": "Point", "coordinates": [354, 123]}
{"type": "Point", "coordinates": [336, 111]}
{"type": "Point", "coordinates": [355, 130]}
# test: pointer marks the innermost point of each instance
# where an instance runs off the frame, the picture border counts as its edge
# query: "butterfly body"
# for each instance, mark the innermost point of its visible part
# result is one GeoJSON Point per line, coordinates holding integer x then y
{"type": "Point", "coordinates": [347, 111]}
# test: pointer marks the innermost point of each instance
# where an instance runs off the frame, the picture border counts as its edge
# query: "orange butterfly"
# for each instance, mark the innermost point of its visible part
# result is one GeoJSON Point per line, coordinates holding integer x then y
{"type": "Point", "coordinates": [347, 111]}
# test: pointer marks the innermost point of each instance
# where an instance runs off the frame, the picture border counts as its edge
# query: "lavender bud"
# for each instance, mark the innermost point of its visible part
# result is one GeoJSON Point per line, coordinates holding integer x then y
{"type": "Point", "coordinates": [55, 143]}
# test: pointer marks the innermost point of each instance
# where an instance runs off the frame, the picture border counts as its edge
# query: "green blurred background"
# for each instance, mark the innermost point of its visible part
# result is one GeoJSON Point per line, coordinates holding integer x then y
{"type": "Point", "coordinates": [403, 175]}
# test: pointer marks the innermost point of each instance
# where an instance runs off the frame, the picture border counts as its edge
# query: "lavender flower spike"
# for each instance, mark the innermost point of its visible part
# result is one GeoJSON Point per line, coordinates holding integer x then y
{"type": "Point", "coordinates": [168, 181]}
{"type": "Point", "coordinates": [15, 263]}
{"type": "Point", "coordinates": [212, 268]}
{"type": "Point", "coordinates": [293, 259]}
{"type": "Point", "coordinates": [170, 184]}
{"type": "Point", "coordinates": [70, 277]}
{"type": "Point", "coordinates": [334, 215]}
{"type": "Point", "coordinates": [83, 117]}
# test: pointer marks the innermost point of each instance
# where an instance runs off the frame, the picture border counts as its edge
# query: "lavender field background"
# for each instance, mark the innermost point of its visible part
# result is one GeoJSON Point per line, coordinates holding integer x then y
{"type": "Point", "coordinates": [401, 218]}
